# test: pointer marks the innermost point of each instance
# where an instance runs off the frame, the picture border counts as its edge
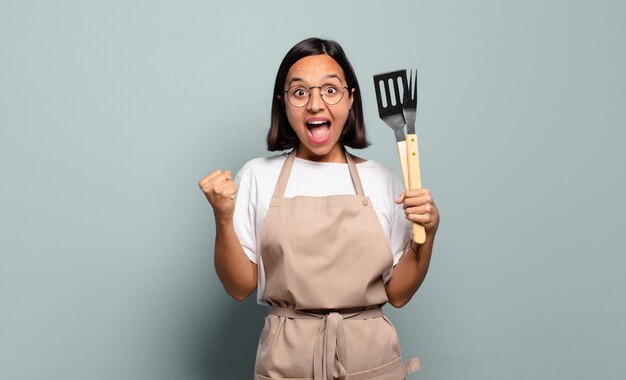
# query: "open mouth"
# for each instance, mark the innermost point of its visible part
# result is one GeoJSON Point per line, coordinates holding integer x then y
{"type": "Point", "coordinates": [318, 131]}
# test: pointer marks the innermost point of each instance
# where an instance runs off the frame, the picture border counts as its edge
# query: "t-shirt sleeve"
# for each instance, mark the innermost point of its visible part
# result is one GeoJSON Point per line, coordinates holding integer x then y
{"type": "Point", "coordinates": [244, 218]}
{"type": "Point", "coordinates": [400, 227]}
{"type": "Point", "coordinates": [400, 233]}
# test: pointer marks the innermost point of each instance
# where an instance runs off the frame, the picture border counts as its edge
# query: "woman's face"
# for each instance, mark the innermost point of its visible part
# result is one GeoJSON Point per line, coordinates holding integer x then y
{"type": "Point", "coordinates": [318, 125]}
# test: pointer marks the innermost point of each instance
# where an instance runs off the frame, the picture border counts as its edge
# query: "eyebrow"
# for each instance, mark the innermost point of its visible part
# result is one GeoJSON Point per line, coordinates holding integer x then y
{"type": "Point", "coordinates": [298, 79]}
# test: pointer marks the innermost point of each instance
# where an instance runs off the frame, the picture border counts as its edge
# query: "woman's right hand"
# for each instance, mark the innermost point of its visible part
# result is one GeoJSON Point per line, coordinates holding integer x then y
{"type": "Point", "coordinates": [219, 189]}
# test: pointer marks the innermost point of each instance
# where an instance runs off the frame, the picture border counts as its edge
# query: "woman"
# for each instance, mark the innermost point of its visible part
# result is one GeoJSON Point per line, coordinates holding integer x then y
{"type": "Point", "coordinates": [317, 232]}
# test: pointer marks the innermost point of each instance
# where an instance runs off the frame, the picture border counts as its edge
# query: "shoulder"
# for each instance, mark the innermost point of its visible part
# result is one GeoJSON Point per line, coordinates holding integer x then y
{"type": "Point", "coordinates": [261, 166]}
{"type": "Point", "coordinates": [372, 168]}
{"type": "Point", "coordinates": [373, 165]}
{"type": "Point", "coordinates": [261, 163]}
{"type": "Point", "coordinates": [261, 171]}
{"type": "Point", "coordinates": [379, 180]}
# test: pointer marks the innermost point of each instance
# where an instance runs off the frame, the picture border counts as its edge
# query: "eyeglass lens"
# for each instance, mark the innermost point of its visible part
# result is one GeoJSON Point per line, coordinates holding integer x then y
{"type": "Point", "coordinates": [299, 96]}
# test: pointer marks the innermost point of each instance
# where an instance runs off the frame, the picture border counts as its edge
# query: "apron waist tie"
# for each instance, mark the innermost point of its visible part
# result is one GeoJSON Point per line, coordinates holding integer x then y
{"type": "Point", "coordinates": [329, 355]}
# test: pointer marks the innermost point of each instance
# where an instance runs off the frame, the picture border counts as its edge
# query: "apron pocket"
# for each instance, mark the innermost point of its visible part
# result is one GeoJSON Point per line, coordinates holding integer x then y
{"type": "Point", "coordinates": [370, 343]}
{"type": "Point", "coordinates": [285, 348]}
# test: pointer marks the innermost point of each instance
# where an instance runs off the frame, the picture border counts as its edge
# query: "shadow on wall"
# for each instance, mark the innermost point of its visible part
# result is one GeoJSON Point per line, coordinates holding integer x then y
{"type": "Point", "coordinates": [226, 348]}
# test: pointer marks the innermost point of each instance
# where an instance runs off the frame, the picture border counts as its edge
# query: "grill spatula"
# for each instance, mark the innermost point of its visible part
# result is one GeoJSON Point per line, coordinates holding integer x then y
{"type": "Point", "coordinates": [390, 111]}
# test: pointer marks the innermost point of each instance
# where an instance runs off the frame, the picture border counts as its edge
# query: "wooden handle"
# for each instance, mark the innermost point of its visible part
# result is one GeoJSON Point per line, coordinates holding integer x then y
{"type": "Point", "coordinates": [415, 181]}
{"type": "Point", "coordinates": [402, 154]}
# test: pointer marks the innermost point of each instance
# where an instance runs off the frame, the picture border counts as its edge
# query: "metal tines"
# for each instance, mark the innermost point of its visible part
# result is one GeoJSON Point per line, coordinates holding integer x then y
{"type": "Point", "coordinates": [409, 103]}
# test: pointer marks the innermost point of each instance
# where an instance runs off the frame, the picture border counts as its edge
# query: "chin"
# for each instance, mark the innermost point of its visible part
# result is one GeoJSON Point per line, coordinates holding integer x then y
{"type": "Point", "coordinates": [320, 151]}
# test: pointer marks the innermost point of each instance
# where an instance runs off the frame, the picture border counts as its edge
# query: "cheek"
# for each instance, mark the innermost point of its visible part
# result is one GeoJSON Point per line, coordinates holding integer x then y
{"type": "Point", "coordinates": [342, 117]}
{"type": "Point", "coordinates": [293, 120]}
{"type": "Point", "coordinates": [291, 117]}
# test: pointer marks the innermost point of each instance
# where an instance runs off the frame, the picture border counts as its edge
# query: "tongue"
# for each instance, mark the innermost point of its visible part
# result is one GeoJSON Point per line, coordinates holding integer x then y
{"type": "Point", "coordinates": [320, 131]}
{"type": "Point", "coordinates": [319, 134]}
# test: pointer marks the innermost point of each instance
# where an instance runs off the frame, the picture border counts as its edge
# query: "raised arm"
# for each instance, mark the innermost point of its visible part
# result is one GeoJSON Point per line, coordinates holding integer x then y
{"type": "Point", "coordinates": [236, 272]}
{"type": "Point", "coordinates": [411, 270]}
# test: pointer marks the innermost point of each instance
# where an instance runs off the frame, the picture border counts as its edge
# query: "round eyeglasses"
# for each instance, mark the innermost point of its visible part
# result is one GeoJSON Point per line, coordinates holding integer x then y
{"type": "Point", "coordinates": [299, 95]}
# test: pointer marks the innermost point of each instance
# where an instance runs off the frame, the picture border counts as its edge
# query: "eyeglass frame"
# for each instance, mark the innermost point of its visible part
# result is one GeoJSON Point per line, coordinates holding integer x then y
{"type": "Point", "coordinates": [343, 88]}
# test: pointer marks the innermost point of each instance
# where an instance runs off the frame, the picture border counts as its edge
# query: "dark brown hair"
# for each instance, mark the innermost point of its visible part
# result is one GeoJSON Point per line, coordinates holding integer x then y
{"type": "Point", "coordinates": [280, 135]}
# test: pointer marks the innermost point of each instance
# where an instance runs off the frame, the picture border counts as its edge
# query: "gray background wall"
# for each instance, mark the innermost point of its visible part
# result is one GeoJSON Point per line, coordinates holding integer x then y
{"type": "Point", "coordinates": [111, 111]}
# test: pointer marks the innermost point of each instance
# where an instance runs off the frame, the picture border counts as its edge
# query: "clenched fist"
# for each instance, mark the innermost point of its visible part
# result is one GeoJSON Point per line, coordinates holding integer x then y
{"type": "Point", "coordinates": [219, 189]}
{"type": "Point", "coordinates": [419, 207]}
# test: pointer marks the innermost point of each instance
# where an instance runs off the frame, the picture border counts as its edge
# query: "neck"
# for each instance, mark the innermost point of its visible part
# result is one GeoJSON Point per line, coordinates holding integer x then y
{"type": "Point", "coordinates": [336, 154]}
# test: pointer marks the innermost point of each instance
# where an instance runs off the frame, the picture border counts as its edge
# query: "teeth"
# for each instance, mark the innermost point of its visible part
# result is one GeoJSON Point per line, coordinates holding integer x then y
{"type": "Point", "coordinates": [316, 122]}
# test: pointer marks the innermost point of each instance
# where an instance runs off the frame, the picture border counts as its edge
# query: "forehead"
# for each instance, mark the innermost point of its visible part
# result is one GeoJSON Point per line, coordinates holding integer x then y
{"type": "Point", "coordinates": [315, 68]}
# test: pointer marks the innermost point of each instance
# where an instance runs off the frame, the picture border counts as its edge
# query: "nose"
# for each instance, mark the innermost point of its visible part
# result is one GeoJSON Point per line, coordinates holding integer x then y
{"type": "Point", "coordinates": [315, 100]}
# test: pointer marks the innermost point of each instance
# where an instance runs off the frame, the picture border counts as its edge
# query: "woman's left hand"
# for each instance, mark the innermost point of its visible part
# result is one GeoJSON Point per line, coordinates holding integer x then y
{"type": "Point", "coordinates": [419, 207]}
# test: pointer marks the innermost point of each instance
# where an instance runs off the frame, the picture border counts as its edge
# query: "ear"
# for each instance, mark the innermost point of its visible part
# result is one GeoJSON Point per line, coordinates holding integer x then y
{"type": "Point", "coordinates": [351, 97]}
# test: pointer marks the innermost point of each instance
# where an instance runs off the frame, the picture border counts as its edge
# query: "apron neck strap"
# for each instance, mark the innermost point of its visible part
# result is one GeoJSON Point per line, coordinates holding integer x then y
{"type": "Point", "coordinates": [355, 175]}
{"type": "Point", "coordinates": [281, 185]}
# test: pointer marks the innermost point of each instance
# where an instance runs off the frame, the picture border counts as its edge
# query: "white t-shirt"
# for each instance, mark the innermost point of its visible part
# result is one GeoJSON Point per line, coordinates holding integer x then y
{"type": "Point", "coordinates": [258, 177]}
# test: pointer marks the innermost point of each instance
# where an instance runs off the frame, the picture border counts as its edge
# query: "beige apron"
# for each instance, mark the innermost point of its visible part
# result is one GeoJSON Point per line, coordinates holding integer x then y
{"type": "Point", "coordinates": [323, 259]}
